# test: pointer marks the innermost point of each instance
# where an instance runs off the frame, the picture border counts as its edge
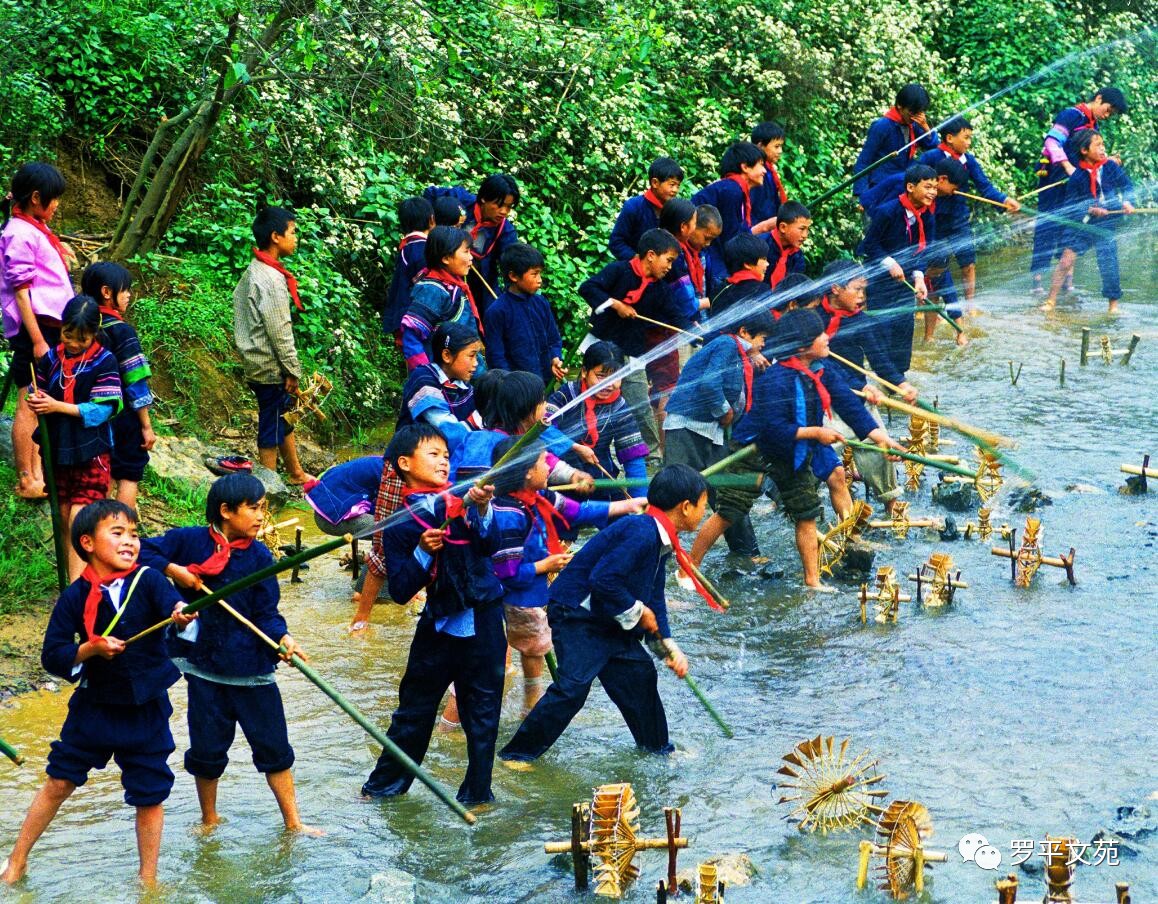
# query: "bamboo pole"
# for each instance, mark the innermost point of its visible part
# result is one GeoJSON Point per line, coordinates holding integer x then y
{"type": "Point", "coordinates": [660, 650]}
{"type": "Point", "coordinates": [11, 752]}
{"type": "Point", "coordinates": [1138, 469]}
{"type": "Point", "coordinates": [61, 552]}
{"type": "Point", "coordinates": [940, 310]}
{"type": "Point", "coordinates": [552, 665]}
{"type": "Point", "coordinates": [482, 279]}
{"type": "Point", "coordinates": [397, 753]}
{"type": "Point", "coordinates": [1111, 213]}
{"type": "Point", "coordinates": [971, 197]}
{"type": "Point", "coordinates": [892, 387]}
{"type": "Point", "coordinates": [640, 844]}
{"type": "Point", "coordinates": [985, 436]}
{"type": "Point", "coordinates": [736, 456]}
{"type": "Point", "coordinates": [618, 483]}
{"type": "Point", "coordinates": [1030, 194]}
{"type": "Point", "coordinates": [668, 326]}
{"type": "Point", "coordinates": [909, 456]}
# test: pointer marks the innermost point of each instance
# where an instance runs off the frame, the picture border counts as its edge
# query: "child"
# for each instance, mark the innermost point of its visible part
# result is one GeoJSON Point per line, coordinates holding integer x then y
{"type": "Point", "coordinates": [416, 219]}
{"type": "Point", "coordinates": [747, 260]}
{"type": "Point", "coordinates": [641, 212]}
{"type": "Point", "coordinates": [109, 283]}
{"type": "Point", "coordinates": [892, 132]}
{"type": "Point", "coordinates": [78, 390]}
{"type": "Point", "coordinates": [768, 196]}
{"type": "Point", "coordinates": [741, 170]}
{"type": "Point", "coordinates": [228, 669]}
{"type": "Point", "coordinates": [521, 330]}
{"type": "Point", "coordinates": [530, 519]}
{"type": "Point", "coordinates": [786, 242]}
{"type": "Point", "coordinates": [34, 288]}
{"type": "Point", "coordinates": [121, 706]}
{"type": "Point", "coordinates": [1098, 188]}
{"type": "Point", "coordinates": [708, 227]}
{"type": "Point", "coordinates": [616, 294]}
{"type": "Point", "coordinates": [263, 334]}
{"type": "Point", "coordinates": [954, 231]}
{"type": "Point", "coordinates": [459, 637]}
{"type": "Point", "coordinates": [603, 420]}
{"type": "Point", "coordinates": [448, 211]}
{"type": "Point", "coordinates": [440, 294]}
{"type": "Point", "coordinates": [1059, 159]}
{"type": "Point", "coordinates": [343, 496]}
{"type": "Point", "coordinates": [608, 598]}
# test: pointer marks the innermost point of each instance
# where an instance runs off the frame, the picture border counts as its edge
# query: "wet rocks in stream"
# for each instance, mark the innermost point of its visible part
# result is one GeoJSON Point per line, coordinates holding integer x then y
{"type": "Point", "coordinates": [956, 497]}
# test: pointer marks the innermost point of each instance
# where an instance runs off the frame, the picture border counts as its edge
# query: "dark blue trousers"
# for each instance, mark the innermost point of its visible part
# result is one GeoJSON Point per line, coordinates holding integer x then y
{"type": "Point", "coordinates": [590, 647]}
{"type": "Point", "coordinates": [895, 330]}
{"type": "Point", "coordinates": [477, 666]}
{"type": "Point", "coordinates": [1047, 231]}
{"type": "Point", "coordinates": [1100, 233]}
{"type": "Point", "coordinates": [215, 712]}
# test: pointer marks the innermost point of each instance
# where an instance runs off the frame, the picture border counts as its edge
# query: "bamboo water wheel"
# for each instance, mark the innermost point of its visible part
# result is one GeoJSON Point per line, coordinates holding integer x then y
{"type": "Point", "coordinates": [309, 399]}
{"type": "Point", "coordinates": [885, 595]}
{"type": "Point", "coordinates": [917, 444]}
{"type": "Point", "coordinates": [834, 542]}
{"type": "Point", "coordinates": [901, 832]}
{"type": "Point", "coordinates": [833, 791]}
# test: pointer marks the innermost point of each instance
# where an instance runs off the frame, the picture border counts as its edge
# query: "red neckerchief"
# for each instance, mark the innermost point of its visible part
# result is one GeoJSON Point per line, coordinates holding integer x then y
{"type": "Point", "coordinates": [290, 282]}
{"type": "Point", "coordinates": [480, 223]}
{"type": "Point", "coordinates": [781, 269]}
{"type": "Point", "coordinates": [916, 212]}
{"type": "Point", "coordinates": [112, 312]}
{"type": "Point", "coordinates": [744, 275]}
{"type": "Point", "coordinates": [43, 229]}
{"type": "Point", "coordinates": [632, 297]}
{"type": "Point", "coordinates": [589, 405]}
{"type": "Point", "coordinates": [1092, 169]}
{"type": "Point", "coordinates": [455, 507]}
{"type": "Point", "coordinates": [796, 364]}
{"type": "Point", "coordinates": [746, 209]}
{"type": "Point", "coordinates": [682, 558]}
{"type": "Point", "coordinates": [949, 152]}
{"type": "Point", "coordinates": [747, 364]}
{"type": "Point", "coordinates": [771, 167]}
{"type": "Point", "coordinates": [449, 279]}
{"type": "Point", "coordinates": [93, 600]}
{"type": "Point", "coordinates": [1085, 110]}
{"type": "Point", "coordinates": [69, 367]}
{"type": "Point", "coordinates": [892, 114]}
{"type": "Point", "coordinates": [222, 549]}
{"type": "Point", "coordinates": [411, 237]}
{"type": "Point", "coordinates": [651, 199]}
{"type": "Point", "coordinates": [695, 268]}
{"type": "Point", "coordinates": [540, 508]}
{"type": "Point", "coordinates": [835, 316]}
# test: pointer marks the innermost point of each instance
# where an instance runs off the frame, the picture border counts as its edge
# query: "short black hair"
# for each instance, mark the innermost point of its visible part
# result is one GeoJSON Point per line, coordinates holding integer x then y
{"type": "Point", "coordinates": [912, 97]}
{"type": "Point", "coordinates": [659, 241]}
{"type": "Point", "coordinates": [742, 153]}
{"type": "Point", "coordinates": [664, 168]}
{"type": "Point", "coordinates": [498, 187]}
{"type": "Point", "coordinates": [270, 219]}
{"type": "Point", "coordinates": [790, 211]}
{"type": "Point", "coordinates": [742, 250]}
{"type": "Point", "coordinates": [675, 484]}
{"type": "Point", "coordinates": [1084, 139]}
{"type": "Point", "coordinates": [105, 273]}
{"type": "Point", "coordinates": [407, 439]}
{"type": "Point", "coordinates": [450, 336]}
{"type": "Point", "coordinates": [793, 289]}
{"type": "Point", "coordinates": [759, 323]}
{"type": "Point", "coordinates": [675, 214]}
{"type": "Point", "coordinates": [414, 215]}
{"type": "Point", "coordinates": [81, 315]}
{"type": "Point", "coordinates": [955, 125]}
{"type": "Point", "coordinates": [796, 330]}
{"type": "Point", "coordinates": [709, 215]}
{"type": "Point", "coordinates": [841, 272]}
{"type": "Point", "coordinates": [513, 474]}
{"type": "Point", "coordinates": [1114, 97]}
{"type": "Point", "coordinates": [443, 241]}
{"type": "Point", "coordinates": [919, 172]}
{"type": "Point", "coordinates": [89, 518]}
{"type": "Point", "coordinates": [34, 177]}
{"type": "Point", "coordinates": [953, 170]}
{"type": "Point", "coordinates": [231, 491]}
{"type": "Point", "coordinates": [516, 396]}
{"type": "Point", "coordinates": [600, 354]}
{"type": "Point", "coordinates": [448, 211]}
{"type": "Point", "coordinates": [519, 258]}
{"type": "Point", "coordinates": [767, 131]}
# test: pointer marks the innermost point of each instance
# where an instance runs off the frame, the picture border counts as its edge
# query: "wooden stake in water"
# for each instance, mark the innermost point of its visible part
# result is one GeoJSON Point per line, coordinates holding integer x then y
{"type": "Point", "coordinates": [60, 551]}
{"type": "Point", "coordinates": [1134, 340]}
{"type": "Point", "coordinates": [1085, 356]}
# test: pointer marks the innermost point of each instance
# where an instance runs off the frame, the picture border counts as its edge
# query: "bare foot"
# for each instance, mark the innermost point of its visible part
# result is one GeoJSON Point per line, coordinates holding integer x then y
{"type": "Point", "coordinates": [518, 765]}
{"type": "Point", "coordinates": [296, 480]}
{"type": "Point", "coordinates": [10, 874]}
{"type": "Point", "coordinates": [207, 827]}
{"type": "Point", "coordinates": [1049, 305]}
{"type": "Point", "coordinates": [302, 829]}
{"type": "Point", "coordinates": [962, 339]}
{"type": "Point", "coordinates": [1113, 308]}
{"type": "Point", "coordinates": [359, 627]}
{"type": "Point", "coordinates": [446, 726]}
{"type": "Point", "coordinates": [821, 588]}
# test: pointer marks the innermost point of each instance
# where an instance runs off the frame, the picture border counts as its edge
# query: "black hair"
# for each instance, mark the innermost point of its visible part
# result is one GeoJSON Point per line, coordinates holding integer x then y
{"type": "Point", "coordinates": [659, 241]}
{"type": "Point", "coordinates": [512, 475]}
{"type": "Point", "coordinates": [486, 388]}
{"type": "Point", "coordinates": [407, 439]}
{"type": "Point", "coordinates": [269, 220]}
{"type": "Point", "coordinates": [515, 399]}
{"type": "Point", "coordinates": [742, 153]}
{"type": "Point", "coordinates": [674, 484]}
{"type": "Point", "coordinates": [912, 97]}
{"type": "Point", "coordinates": [89, 518]}
{"type": "Point", "coordinates": [768, 131]}
{"type": "Point", "coordinates": [519, 258]}
{"type": "Point", "coordinates": [709, 215]}
{"type": "Point", "coordinates": [498, 187]}
{"type": "Point", "coordinates": [232, 491]}
{"type": "Point", "coordinates": [951, 169]}
{"type": "Point", "coordinates": [675, 214]}
{"type": "Point", "coordinates": [791, 211]}
{"type": "Point", "coordinates": [81, 315]}
{"type": "Point", "coordinates": [43, 178]}
{"type": "Point", "coordinates": [414, 215]}
{"type": "Point", "coordinates": [919, 172]}
{"type": "Point", "coordinates": [105, 273]}
{"type": "Point", "coordinates": [1114, 97]}
{"type": "Point", "coordinates": [450, 336]}
{"type": "Point", "coordinates": [1084, 139]}
{"type": "Point", "coordinates": [795, 289]}
{"type": "Point", "coordinates": [448, 211]}
{"type": "Point", "coordinates": [600, 354]}
{"type": "Point", "coordinates": [841, 272]}
{"type": "Point", "coordinates": [759, 322]}
{"type": "Point", "coordinates": [743, 249]}
{"type": "Point", "coordinates": [664, 168]}
{"type": "Point", "coordinates": [797, 330]}
{"type": "Point", "coordinates": [955, 125]}
{"type": "Point", "coordinates": [444, 241]}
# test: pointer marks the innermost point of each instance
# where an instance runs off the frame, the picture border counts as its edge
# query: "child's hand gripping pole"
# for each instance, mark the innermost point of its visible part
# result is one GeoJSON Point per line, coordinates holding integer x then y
{"type": "Point", "coordinates": [664, 649]}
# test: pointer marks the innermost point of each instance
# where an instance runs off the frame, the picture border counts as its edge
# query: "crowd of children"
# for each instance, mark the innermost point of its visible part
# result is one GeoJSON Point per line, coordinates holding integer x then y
{"type": "Point", "coordinates": [704, 338]}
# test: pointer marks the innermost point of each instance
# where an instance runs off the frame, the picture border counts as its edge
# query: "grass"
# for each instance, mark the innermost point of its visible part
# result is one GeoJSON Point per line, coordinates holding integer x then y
{"type": "Point", "coordinates": [27, 569]}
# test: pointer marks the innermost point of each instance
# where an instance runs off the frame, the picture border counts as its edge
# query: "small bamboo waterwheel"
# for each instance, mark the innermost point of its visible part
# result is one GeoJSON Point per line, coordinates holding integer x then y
{"type": "Point", "coordinates": [834, 792]}
{"type": "Point", "coordinates": [835, 540]}
{"type": "Point", "coordinates": [902, 830]}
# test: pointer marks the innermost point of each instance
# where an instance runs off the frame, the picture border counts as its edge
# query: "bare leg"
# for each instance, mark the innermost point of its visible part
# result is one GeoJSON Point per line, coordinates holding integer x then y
{"type": "Point", "coordinates": [712, 530]}
{"type": "Point", "coordinates": [268, 458]}
{"type": "Point", "coordinates": [25, 451]}
{"type": "Point", "coordinates": [838, 493]}
{"type": "Point", "coordinates": [969, 283]}
{"type": "Point", "coordinates": [75, 563]}
{"type": "Point", "coordinates": [450, 720]}
{"type": "Point", "coordinates": [1113, 309]}
{"type": "Point", "coordinates": [365, 600]}
{"type": "Point", "coordinates": [127, 492]}
{"type": "Point", "coordinates": [52, 794]}
{"type": "Point", "coordinates": [533, 689]}
{"type": "Point", "coordinates": [809, 548]}
{"type": "Point", "coordinates": [150, 823]}
{"type": "Point", "coordinates": [289, 455]}
{"type": "Point", "coordinates": [282, 786]}
{"type": "Point", "coordinates": [207, 798]}
{"type": "Point", "coordinates": [1063, 269]}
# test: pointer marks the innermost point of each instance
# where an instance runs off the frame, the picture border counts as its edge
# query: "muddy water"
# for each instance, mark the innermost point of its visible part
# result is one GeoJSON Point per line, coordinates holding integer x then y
{"type": "Point", "coordinates": [1012, 713]}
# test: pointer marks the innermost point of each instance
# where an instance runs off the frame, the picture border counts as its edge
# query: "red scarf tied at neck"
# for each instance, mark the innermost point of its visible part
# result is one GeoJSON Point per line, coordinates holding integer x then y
{"type": "Point", "coordinates": [892, 114]}
{"type": "Point", "coordinates": [455, 506]}
{"type": "Point", "coordinates": [1090, 122]}
{"type": "Point", "coordinates": [69, 367]}
{"type": "Point", "coordinates": [835, 316]}
{"type": "Point", "coordinates": [682, 558]}
{"type": "Point", "coordinates": [799, 366]}
{"type": "Point", "coordinates": [43, 229]}
{"type": "Point", "coordinates": [111, 312]}
{"type": "Point", "coordinates": [93, 600]}
{"type": "Point", "coordinates": [952, 154]}
{"type": "Point", "coordinates": [746, 209]}
{"type": "Point", "coordinates": [479, 224]}
{"type": "Point", "coordinates": [589, 405]}
{"type": "Point", "coordinates": [780, 270]}
{"type": "Point", "coordinates": [632, 297]}
{"type": "Point", "coordinates": [540, 508]}
{"type": "Point", "coordinates": [746, 362]}
{"type": "Point", "coordinates": [780, 191]}
{"type": "Point", "coordinates": [1092, 169]}
{"type": "Point", "coordinates": [449, 279]}
{"type": "Point", "coordinates": [916, 212]}
{"type": "Point", "coordinates": [695, 268]}
{"type": "Point", "coordinates": [290, 282]}
{"type": "Point", "coordinates": [742, 276]}
{"type": "Point", "coordinates": [651, 199]}
{"type": "Point", "coordinates": [222, 549]}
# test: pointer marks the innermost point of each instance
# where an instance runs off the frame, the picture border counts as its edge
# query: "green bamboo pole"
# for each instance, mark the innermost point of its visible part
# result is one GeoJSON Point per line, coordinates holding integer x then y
{"type": "Point", "coordinates": [914, 309]}
{"type": "Point", "coordinates": [399, 755]}
{"type": "Point", "coordinates": [941, 312]}
{"type": "Point", "coordinates": [909, 456]}
{"type": "Point", "coordinates": [53, 496]}
{"type": "Point", "coordinates": [552, 665]}
{"type": "Point", "coordinates": [721, 600]}
{"type": "Point", "coordinates": [736, 456]}
{"type": "Point", "coordinates": [619, 483]}
{"type": "Point", "coordinates": [661, 652]}
{"type": "Point", "coordinates": [11, 752]}
{"type": "Point", "coordinates": [851, 179]}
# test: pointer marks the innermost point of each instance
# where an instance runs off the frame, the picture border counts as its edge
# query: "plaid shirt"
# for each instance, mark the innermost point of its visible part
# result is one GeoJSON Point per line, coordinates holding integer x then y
{"type": "Point", "coordinates": [388, 501]}
{"type": "Point", "coordinates": [262, 329]}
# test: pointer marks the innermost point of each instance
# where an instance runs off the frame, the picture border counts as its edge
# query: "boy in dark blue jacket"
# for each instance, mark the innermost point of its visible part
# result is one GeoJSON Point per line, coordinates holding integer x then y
{"type": "Point", "coordinates": [459, 637]}
{"type": "Point", "coordinates": [228, 669]}
{"type": "Point", "coordinates": [746, 257]}
{"type": "Point", "coordinates": [770, 194]}
{"type": "Point", "coordinates": [609, 598]}
{"type": "Point", "coordinates": [741, 170]}
{"type": "Point", "coordinates": [641, 212]}
{"type": "Point", "coordinates": [786, 242]}
{"type": "Point", "coordinates": [903, 124]}
{"type": "Point", "coordinates": [521, 330]}
{"type": "Point", "coordinates": [121, 706]}
{"type": "Point", "coordinates": [416, 219]}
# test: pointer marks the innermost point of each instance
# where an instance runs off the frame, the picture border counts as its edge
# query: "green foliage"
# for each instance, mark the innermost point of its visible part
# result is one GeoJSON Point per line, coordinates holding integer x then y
{"type": "Point", "coordinates": [27, 572]}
